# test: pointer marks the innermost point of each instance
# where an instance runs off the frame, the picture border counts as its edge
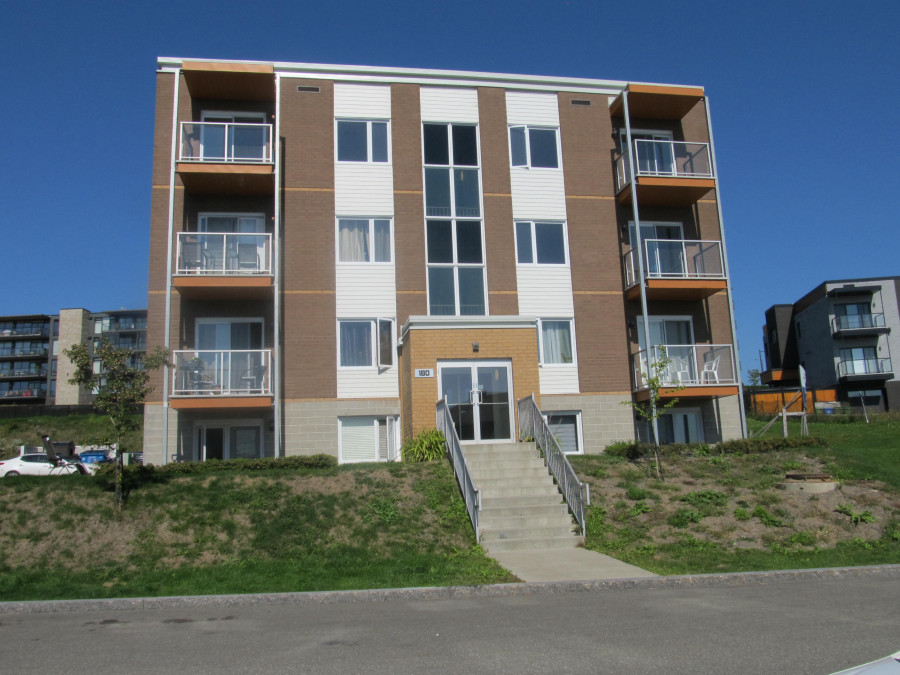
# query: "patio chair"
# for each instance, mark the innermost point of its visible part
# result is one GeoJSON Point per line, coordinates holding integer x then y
{"type": "Point", "coordinates": [711, 371]}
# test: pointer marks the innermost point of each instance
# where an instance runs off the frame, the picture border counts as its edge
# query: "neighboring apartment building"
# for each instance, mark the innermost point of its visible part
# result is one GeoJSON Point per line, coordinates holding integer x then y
{"type": "Point", "coordinates": [843, 333]}
{"type": "Point", "coordinates": [335, 248]}
{"type": "Point", "coordinates": [33, 369]}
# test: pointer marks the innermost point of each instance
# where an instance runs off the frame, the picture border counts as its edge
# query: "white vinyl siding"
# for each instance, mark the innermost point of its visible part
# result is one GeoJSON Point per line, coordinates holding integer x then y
{"type": "Point", "coordinates": [532, 108]}
{"type": "Point", "coordinates": [365, 290]}
{"type": "Point", "coordinates": [368, 383]}
{"type": "Point", "coordinates": [363, 189]}
{"type": "Point", "coordinates": [557, 379]}
{"type": "Point", "coordinates": [362, 101]}
{"type": "Point", "coordinates": [538, 195]}
{"type": "Point", "coordinates": [544, 290]}
{"type": "Point", "coordinates": [439, 104]}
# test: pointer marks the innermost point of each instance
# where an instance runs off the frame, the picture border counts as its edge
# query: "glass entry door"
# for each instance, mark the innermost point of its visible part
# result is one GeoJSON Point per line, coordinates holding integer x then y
{"type": "Point", "coordinates": [478, 394]}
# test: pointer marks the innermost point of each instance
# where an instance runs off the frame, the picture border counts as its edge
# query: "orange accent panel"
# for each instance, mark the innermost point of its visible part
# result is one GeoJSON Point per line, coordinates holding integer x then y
{"type": "Point", "coordinates": [207, 66]}
{"type": "Point", "coordinates": [690, 392]}
{"type": "Point", "coordinates": [212, 167]}
{"type": "Point", "coordinates": [220, 402]}
{"type": "Point", "coordinates": [221, 282]}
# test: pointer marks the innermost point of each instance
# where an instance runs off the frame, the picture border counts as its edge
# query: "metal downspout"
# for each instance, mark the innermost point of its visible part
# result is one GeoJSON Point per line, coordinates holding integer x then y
{"type": "Point", "coordinates": [277, 449]}
{"type": "Point", "coordinates": [640, 249]}
{"type": "Point", "coordinates": [737, 358]}
{"type": "Point", "coordinates": [167, 334]}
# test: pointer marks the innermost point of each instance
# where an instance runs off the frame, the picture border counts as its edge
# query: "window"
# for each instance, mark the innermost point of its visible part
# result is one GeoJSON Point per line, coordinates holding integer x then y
{"type": "Point", "coordinates": [230, 223]}
{"type": "Point", "coordinates": [361, 341]}
{"type": "Point", "coordinates": [555, 337]}
{"type": "Point", "coordinates": [543, 243]}
{"type": "Point", "coordinates": [368, 439]}
{"type": "Point", "coordinates": [859, 360]}
{"type": "Point", "coordinates": [680, 426]}
{"type": "Point", "coordinates": [362, 141]}
{"type": "Point", "coordinates": [454, 241]}
{"type": "Point", "coordinates": [533, 147]}
{"type": "Point", "coordinates": [566, 429]}
{"type": "Point", "coordinates": [363, 240]}
{"type": "Point", "coordinates": [238, 439]}
{"type": "Point", "coordinates": [455, 268]}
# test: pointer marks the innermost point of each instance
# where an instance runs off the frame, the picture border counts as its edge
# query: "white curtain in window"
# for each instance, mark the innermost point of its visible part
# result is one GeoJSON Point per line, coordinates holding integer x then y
{"type": "Point", "coordinates": [353, 240]}
{"type": "Point", "coordinates": [557, 339]}
{"type": "Point", "coordinates": [382, 243]}
{"type": "Point", "coordinates": [356, 343]}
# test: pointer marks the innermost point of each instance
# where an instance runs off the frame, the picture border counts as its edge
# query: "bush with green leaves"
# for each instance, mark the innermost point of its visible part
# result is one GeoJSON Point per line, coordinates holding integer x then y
{"type": "Point", "coordinates": [427, 446]}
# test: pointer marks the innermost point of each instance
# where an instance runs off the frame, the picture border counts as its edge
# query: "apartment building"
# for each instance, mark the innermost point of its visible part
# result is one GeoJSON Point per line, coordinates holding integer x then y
{"type": "Point", "coordinates": [33, 370]}
{"type": "Point", "coordinates": [335, 248]}
{"type": "Point", "coordinates": [842, 333]}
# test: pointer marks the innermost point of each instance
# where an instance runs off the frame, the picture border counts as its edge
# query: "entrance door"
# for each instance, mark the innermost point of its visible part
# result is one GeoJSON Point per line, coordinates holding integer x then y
{"type": "Point", "coordinates": [478, 394]}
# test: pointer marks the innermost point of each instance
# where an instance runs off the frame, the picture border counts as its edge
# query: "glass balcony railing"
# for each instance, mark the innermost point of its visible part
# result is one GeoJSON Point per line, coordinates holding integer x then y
{"type": "Point", "coordinates": [226, 143]}
{"type": "Point", "coordinates": [22, 372]}
{"type": "Point", "coordinates": [873, 367]}
{"type": "Point", "coordinates": [676, 259]}
{"type": "Point", "coordinates": [688, 365]}
{"type": "Point", "coordinates": [224, 254]}
{"type": "Point", "coordinates": [222, 372]}
{"type": "Point", "coordinates": [671, 159]}
{"type": "Point", "coordinates": [857, 322]}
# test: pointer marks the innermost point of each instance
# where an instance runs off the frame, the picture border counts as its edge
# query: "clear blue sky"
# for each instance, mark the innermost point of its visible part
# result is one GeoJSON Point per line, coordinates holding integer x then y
{"type": "Point", "coordinates": [792, 86]}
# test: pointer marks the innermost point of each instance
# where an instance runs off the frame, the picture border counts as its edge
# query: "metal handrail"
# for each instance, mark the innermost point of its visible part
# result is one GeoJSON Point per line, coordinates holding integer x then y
{"type": "Point", "coordinates": [663, 158]}
{"type": "Point", "coordinates": [684, 259]}
{"type": "Point", "coordinates": [218, 142]}
{"type": "Point", "coordinates": [471, 494]}
{"type": "Point", "coordinates": [874, 366]}
{"type": "Point", "coordinates": [533, 425]}
{"type": "Point", "coordinates": [857, 322]}
{"type": "Point", "coordinates": [222, 372]}
{"type": "Point", "coordinates": [219, 253]}
{"type": "Point", "coordinates": [694, 365]}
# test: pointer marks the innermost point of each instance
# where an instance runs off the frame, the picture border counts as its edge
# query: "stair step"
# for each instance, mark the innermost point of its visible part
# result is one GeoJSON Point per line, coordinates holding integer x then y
{"type": "Point", "coordinates": [508, 473]}
{"type": "Point", "coordinates": [494, 522]}
{"type": "Point", "coordinates": [516, 501]}
{"type": "Point", "coordinates": [519, 510]}
{"type": "Point", "coordinates": [570, 541]}
{"type": "Point", "coordinates": [489, 485]}
{"type": "Point", "coordinates": [489, 535]}
{"type": "Point", "coordinates": [525, 491]}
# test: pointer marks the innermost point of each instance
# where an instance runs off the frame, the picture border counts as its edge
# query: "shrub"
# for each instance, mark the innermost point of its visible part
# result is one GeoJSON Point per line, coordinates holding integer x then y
{"type": "Point", "coordinates": [425, 447]}
{"type": "Point", "coordinates": [684, 517]}
{"type": "Point", "coordinates": [746, 446]}
{"type": "Point", "coordinates": [219, 465]}
{"type": "Point", "coordinates": [708, 502]}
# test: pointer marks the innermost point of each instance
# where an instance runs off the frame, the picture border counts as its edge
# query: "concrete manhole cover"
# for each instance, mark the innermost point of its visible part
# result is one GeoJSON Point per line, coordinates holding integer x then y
{"type": "Point", "coordinates": [811, 483]}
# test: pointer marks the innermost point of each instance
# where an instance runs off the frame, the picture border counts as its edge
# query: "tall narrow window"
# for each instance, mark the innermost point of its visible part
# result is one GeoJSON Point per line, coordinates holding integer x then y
{"type": "Point", "coordinates": [454, 241]}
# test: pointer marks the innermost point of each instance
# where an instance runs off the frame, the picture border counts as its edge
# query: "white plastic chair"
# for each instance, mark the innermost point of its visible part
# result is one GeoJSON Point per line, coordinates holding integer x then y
{"type": "Point", "coordinates": [711, 371]}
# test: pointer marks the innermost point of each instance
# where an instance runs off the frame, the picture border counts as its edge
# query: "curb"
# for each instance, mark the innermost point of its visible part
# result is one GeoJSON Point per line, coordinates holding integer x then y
{"type": "Point", "coordinates": [448, 592]}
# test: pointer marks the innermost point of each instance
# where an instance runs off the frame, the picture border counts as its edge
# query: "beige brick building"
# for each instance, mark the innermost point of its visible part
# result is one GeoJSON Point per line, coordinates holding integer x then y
{"type": "Point", "coordinates": [335, 248]}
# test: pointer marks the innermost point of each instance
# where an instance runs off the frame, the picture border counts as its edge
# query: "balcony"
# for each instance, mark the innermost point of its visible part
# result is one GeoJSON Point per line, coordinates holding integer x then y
{"type": "Point", "coordinates": [208, 264]}
{"type": "Point", "coordinates": [222, 379]}
{"type": "Point", "coordinates": [676, 269]}
{"type": "Point", "coordinates": [25, 330]}
{"type": "Point", "coordinates": [23, 352]}
{"type": "Point", "coordinates": [29, 394]}
{"type": "Point", "coordinates": [856, 325]}
{"type": "Point", "coordinates": [702, 371]}
{"type": "Point", "coordinates": [16, 373]}
{"type": "Point", "coordinates": [668, 172]}
{"type": "Point", "coordinates": [857, 370]}
{"type": "Point", "coordinates": [219, 156]}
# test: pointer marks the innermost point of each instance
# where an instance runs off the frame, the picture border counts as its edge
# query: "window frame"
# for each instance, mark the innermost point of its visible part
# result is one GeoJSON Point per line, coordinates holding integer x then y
{"type": "Point", "coordinates": [534, 245]}
{"type": "Point", "coordinates": [528, 158]}
{"type": "Point", "coordinates": [542, 361]}
{"type": "Point", "coordinates": [371, 234]}
{"type": "Point", "coordinates": [388, 421]}
{"type": "Point", "coordinates": [376, 345]}
{"type": "Point", "coordinates": [579, 433]}
{"type": "Point", "coordinates": [369, 141]}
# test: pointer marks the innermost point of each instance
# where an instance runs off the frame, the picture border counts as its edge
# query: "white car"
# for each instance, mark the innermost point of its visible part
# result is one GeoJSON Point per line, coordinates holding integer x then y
{"type": "Point", "coordinates": [38, 464]}
{"type": "Point", "coordinates": [886, 666]}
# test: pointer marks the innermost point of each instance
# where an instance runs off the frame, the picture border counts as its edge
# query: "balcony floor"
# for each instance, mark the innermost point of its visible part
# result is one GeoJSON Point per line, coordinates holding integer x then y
{"type": "Point", "coordinates": [220, 402]}
{"type": "Point", "coordinates": [705, 391]}
{"type": "Point", "coordinates": [214, 177]}
{"type": "Point", "coordinates": [678, 289]}
{"type": "Point", "coordinates": [664, 191]}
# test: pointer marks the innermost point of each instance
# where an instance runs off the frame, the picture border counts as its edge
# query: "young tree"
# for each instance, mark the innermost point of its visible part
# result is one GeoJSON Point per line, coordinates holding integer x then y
{"type": "Point", "coordinates": [120, 385]}
{"type": "Point", "coordinates": [655, 406]}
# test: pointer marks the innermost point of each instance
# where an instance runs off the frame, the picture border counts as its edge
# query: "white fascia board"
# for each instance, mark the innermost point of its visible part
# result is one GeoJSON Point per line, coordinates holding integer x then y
{"type": "Point", "coordinates": [426, 76]}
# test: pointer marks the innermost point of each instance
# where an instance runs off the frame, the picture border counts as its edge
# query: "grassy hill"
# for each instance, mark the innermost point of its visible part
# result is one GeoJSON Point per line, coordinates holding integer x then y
{"type": "Point", "coordinates": [395, 525]}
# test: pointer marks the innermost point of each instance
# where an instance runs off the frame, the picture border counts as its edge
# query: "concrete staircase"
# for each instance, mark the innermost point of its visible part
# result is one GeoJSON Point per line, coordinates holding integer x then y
{"type": "Point", "coordinates": [521, 507]}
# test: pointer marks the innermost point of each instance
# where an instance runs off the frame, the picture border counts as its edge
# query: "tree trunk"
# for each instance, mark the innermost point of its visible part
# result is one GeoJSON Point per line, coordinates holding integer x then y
{"type": "Point", "coordinates": [119, 481]}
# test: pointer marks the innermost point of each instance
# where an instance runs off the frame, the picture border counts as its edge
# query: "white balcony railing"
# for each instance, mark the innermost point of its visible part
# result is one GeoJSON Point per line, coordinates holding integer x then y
{"type": "Point", "coordinates": [676, 259]}
{"type": "Point", "coordinates": [689, 365]}
{"type": "Point", "coordinates": [671, 159]}
{"type": "Point", "coordinates": [857, 322]}
{"type": "Point", "coordinates": [864, 367]}
{"type": "Point", "coordinates": [223, 254]}
{"type": "Point", "coordinates": [225, 142]}
{"type": "Point", "coordinates": [222, 372]}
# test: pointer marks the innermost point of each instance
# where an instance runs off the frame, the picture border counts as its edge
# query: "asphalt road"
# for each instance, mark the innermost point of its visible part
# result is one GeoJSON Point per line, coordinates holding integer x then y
{"type": "Point", "coordinates": [772, 623]}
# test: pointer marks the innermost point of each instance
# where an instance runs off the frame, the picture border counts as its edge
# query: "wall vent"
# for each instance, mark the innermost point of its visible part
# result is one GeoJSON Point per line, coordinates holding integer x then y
{"type": "Point", "coordinates": [579, 101]}
{"type": "Point", "coordinates": [311, 90]}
